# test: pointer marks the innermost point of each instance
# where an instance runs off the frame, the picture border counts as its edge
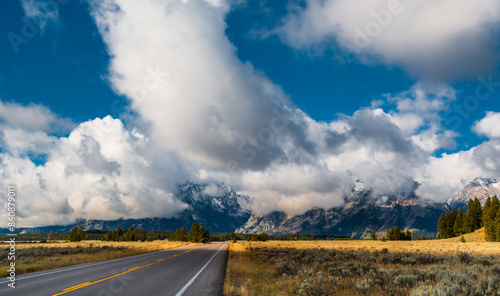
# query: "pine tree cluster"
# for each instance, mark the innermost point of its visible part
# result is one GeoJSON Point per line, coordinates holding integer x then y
{"type": "Point", "coordinates": [77, 234]}
{"type": "Point", "coordinates": [263, 237]}
{"type": "Point", "coordinates": [396, 234]}
{"type": "Point", "coordinates": [196, 235]}
{"type": "Point", "coordinates": [491, 219]}
{"type": "Point", "coordinates": [117, 235]}
{"type": "Point", "coordinates": [453, 223]}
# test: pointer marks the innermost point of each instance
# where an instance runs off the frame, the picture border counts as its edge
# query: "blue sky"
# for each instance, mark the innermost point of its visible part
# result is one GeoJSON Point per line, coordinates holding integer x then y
{"type": "Point", "coordinates": [62, 68]}
{"type": "Point", "coordinates": [70, 57]}
{"type": "Point", "coordinates": [65, 68]}
{"type": "Point", "coordinates": [355, 101]}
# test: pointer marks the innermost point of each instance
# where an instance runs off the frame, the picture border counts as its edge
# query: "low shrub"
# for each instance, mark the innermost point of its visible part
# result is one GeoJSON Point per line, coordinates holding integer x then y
{"type": "Point", "coordinates": [408, 280]}
{"type": "Point", "coordinates": [464, 258]}
{"type": "Point", "coordinates": [318, 271]}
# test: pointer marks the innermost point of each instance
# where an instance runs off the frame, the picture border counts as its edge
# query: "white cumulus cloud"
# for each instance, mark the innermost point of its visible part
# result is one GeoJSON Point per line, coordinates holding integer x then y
{"type": "Point", "coordinates": [489, 126]}
{"type": "Point", "coordinates": [203, 114]}
{"type": "Point", "coordinates": [442, 39]}
{"type": "Point", "coordinates": [100, 171]}
{"type": "Point", "coordinates": [33, 117]}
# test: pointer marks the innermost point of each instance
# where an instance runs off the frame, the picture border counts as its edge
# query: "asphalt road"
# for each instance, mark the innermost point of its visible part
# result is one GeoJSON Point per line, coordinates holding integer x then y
{"type": "Point", "coordinates": [191, 270]}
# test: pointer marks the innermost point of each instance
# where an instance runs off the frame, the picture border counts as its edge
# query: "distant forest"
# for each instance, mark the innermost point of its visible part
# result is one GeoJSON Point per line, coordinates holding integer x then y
{"type": "Point", "coordinates": [161, 235]}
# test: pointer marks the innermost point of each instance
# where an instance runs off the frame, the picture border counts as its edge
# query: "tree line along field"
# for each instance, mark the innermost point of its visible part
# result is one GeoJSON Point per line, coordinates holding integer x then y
{"type": "Point", "coordinates": [64, 236]}
{"type": "Point", "coordinates": [156, 235]}
{"type": "Point", "coordinates": [365, 267]}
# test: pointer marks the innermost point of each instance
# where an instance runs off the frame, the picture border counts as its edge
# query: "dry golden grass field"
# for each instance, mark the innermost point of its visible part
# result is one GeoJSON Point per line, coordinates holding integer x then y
{"type": "Point", "coordinates": [41, 256]}
{"type": "Point", "coordinates": [365, 267]}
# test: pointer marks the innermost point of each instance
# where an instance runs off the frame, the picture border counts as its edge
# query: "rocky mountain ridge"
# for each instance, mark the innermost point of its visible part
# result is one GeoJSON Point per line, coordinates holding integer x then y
{"type": "Point", "coordinates": [218, 207]}
{"type": "Point", "coordinates": [214, 205]}
{"type": "Point", "coordinates": [482, 188]}
{"type": "Point", "coordinates": [357, 218]}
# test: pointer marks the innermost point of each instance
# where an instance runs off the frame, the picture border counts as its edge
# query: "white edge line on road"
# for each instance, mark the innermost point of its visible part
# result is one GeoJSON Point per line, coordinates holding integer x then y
{"type": "Point", "coordinates": [194, 277]}
{"type": "Point", "coordinates": [90, 265]}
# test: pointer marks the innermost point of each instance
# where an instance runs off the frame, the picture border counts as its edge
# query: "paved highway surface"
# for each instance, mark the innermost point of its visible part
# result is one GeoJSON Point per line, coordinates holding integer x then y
{"type": "Point", "coordinates": [190, 270]}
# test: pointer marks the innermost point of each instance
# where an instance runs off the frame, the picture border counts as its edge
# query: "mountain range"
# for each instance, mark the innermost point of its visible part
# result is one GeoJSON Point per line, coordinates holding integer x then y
{"type": "Point", "coordinates": [219, 208]}
{"type": "Point", "coordinates": [215, 205]}
{"type": "Point", "coordinates": [482, 188]}
{"type": "Point", "coordinates": [361, 214]}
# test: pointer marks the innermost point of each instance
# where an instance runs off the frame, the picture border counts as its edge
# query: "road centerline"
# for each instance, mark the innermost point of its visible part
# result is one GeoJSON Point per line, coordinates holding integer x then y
{"type": "Point", "coordinates": [83, 285]}
{"type": "Point", "coordinates": [86, 265]}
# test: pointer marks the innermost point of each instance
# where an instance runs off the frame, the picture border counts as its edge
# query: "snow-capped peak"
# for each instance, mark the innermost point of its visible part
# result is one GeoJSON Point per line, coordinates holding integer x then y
{"type": "Point", "coordinates": [482, 188]}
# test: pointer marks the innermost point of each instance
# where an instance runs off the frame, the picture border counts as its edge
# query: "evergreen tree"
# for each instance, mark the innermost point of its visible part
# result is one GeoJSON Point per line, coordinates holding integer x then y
{"type": "Point", "coordinates": [192, 233]}
{"type": "Point", "coordinates": [473, 216]}
{"type": "Point", "coordinates": [497, 226]}
{"type": "Point", "coordinates": [119, 233]}
{"type": "Point", "coordinates": [130, 235]}
{"type": "Point", "coordinates": [206, 236]}
{"type": "Point", "coordinates": [458, 226]}
{"type": "Point", "coordinates": [264, 237]}
{"type": "Point", "coordinates": [495, 204]}
{"type": "Point", "coordinates": [143, 235]}
{"type": "Point", "coordinates": [495, 208]}
{"type": "Point", "coordinates": [394, 234]}
{"type": "Point", "coordinates": [446, 224]}
{"type": "Point", "coordinates": [232, 237]}
{"type": "Point", "coordinates": [133, 236]}
{"type": "Point", "coordinates": [451, 217]}
{"type": "Point", "coordinates": [196, 235]}
{"type": "Point", "coordinates": [77, 234]}
{"type": "Point", "coordinates": [106, 237]}
{"type": "Point", "coordinates": [180, 235]}
{"type": "Point", "coordinates": [486, 206]}
{"type": "Point", "coordinates": [183, 234]}
{"type": "Point", "coordinates": [488, 220]}
{"type": "Point", "coordinates": [81, 232]}
{"type": "Point", "coordinates": [374, 236]}
{"type": "Point", "coordinates": [441, 226]}
{"type": "Point", "coordinates": [479, 213]}
{"type": "Point", "coordinates": [73, 235]}
{"type": "Point", "coordinates": [468, 217]}
{"type": "Point", "coordinates": [175, 235]}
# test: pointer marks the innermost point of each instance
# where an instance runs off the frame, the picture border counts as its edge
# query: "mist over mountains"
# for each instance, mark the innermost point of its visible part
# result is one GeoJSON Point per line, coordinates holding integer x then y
{"type": "Point", "coordinates": [220, 208]}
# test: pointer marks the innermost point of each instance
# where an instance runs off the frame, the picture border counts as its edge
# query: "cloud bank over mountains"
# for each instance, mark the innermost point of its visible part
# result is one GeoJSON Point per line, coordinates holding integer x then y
{"type": "Point", "coordinates": [199, 113]}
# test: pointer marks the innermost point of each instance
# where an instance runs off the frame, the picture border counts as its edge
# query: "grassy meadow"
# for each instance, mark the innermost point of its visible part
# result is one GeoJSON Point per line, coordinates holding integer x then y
{"type": "Point", "coordinates": [41, 256]}
{"type": "Point", "coordinates": [365, 267]}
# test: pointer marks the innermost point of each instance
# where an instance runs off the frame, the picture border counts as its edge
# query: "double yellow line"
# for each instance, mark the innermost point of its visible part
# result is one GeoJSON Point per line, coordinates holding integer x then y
{"type": "Point", "coordinates": [118, 274]}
